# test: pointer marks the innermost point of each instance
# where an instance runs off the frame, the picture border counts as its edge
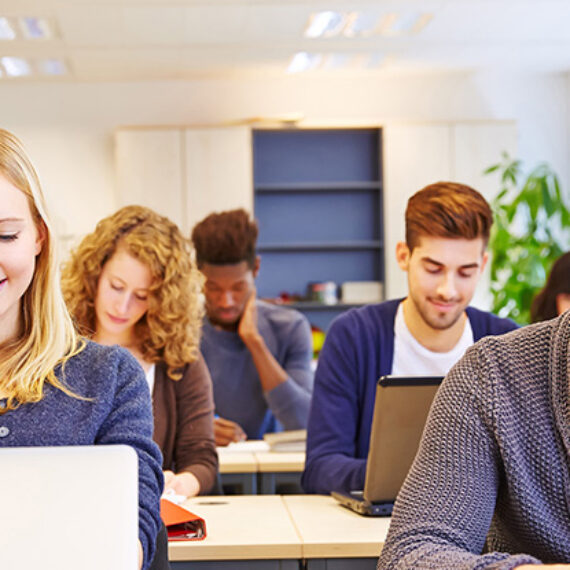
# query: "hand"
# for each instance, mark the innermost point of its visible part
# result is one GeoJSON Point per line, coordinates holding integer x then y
{"type": "Point", "coordinates": [533, 566]}
{"type": "Point", "coordinates": [226, 431]}
{"type": "Point", "coordinates": [183, 483]}
{"type": "Point", "coordinates": [141, 555]}
{"type": "Point", "coordinates": [247, 328]}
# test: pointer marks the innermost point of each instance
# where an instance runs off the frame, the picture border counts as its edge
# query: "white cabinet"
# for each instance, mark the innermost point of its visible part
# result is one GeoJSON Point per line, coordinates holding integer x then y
{"type": "Point", "coordinates": [184, 173]}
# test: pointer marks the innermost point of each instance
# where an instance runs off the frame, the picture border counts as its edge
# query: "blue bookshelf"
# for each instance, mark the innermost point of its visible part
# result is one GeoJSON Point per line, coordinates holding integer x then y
{"type": "Point", "coordinates": [318, 202]}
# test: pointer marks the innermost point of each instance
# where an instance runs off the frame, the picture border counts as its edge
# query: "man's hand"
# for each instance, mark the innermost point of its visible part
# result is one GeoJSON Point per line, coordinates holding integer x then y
{"type": "Point", "coordinates": [226, 431]}
{"type": "Point", "coordinates": [247, 328]}
{"type": "Point", "coordinates": [534, 566]}
{"type": "Point", "coordinates": [184, 483]}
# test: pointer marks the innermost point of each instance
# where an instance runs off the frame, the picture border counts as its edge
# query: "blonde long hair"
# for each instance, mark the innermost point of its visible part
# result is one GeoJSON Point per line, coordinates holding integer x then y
{"type": "Point", "coordinates": [47, 336]}
{"type": "Point", "coordinates": [170, 329]}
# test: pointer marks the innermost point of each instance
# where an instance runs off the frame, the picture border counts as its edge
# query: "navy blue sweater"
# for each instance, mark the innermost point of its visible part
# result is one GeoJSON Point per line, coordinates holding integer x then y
{"type": "Point", "coordinates": [358, 349]}
{"type": "Point", "coordinates": [119, 412]}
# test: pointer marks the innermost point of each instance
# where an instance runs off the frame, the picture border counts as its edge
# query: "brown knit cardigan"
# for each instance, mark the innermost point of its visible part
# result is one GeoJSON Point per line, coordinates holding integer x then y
{"type": "Point", "coordinates": [183, 422]}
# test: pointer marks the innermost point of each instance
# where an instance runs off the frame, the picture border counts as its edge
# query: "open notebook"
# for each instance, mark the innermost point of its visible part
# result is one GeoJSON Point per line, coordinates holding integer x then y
{"type": "Point", "coordinates": [66, 508]}
{"type": "Point", "coordinates": [400, 411]}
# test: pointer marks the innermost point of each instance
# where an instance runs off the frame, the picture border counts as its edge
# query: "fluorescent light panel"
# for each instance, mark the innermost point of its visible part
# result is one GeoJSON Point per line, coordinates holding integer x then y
{"type": "Point", "coordinates": [7, 31]}
{"type": "Point", "coordinates": [330, 24]}
{"type": "Point", "coordinates": [324, 24]}
{"type": "Point", "coordinates": [303, 61]}
{"type": "Point", "coordinates": [35, 28]}
{"type": "Point", "coordinates": [16, 66]}
{"type": "Point", "coordinates": [406, 23]}
{"type": "Point", "coordinates": [53, 66]}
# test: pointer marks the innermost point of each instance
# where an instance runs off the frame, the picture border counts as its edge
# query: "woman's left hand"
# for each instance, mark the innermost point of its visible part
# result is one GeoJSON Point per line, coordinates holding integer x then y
{"type": "Point", "coordinates": [183, 483]}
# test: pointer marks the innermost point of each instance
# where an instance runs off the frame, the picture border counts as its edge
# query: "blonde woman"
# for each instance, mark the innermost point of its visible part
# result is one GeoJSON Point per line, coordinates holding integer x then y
{"type": "Point", "coordinates": [50, 379]}
{"type": "Point", "coordinates": [133, 283]}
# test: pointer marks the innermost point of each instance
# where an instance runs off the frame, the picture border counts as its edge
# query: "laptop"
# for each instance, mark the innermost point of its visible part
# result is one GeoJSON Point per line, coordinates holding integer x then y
{"type": "Point", "coordinates": [400, 412]}
{"type": "Point", "coordinates": [69, 507]}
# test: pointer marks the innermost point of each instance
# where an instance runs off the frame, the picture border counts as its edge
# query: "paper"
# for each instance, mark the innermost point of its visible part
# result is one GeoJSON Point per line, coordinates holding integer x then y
{"type": "Point", "coordinates": [250, 446]}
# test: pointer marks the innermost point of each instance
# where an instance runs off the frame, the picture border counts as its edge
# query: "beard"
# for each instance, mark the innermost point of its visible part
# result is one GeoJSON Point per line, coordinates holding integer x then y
{"type": "Point", "coordinates": [438, 320]}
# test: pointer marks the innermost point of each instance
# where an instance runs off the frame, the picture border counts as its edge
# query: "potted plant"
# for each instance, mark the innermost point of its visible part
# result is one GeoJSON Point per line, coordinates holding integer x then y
{"type": "Point", "coordinates": [531, 230]}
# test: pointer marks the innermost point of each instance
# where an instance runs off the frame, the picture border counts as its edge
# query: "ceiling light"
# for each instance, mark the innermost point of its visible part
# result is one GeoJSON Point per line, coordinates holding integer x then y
{"type": "Point", "coordinates": [303, 61]}
{"type": "Point", "coordinates": [16, 66]}
{"type": "Point", "coordinates": [52, 66]}
{"type": "Point", "coordinates": [359, 24]}
{"type": "Point", "coordinates": [325, 24]}
{"type": "Point", "coordinates": [403, 24]}
{"type": "Point", "coordinates": [36, 28]}
{"type": "Point", "coordinates": [7, 31]}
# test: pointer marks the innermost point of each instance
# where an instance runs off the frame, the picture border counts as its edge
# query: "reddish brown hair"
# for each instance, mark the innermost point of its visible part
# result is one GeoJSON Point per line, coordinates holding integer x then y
{"type": "Point", "coordinates": [225, 238]}
{"type": "Point", "coordinates": [447, 210]}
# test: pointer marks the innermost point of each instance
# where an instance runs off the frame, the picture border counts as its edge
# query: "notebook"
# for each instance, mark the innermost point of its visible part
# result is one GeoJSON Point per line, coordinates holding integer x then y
{"type": "Point", "coordinates": [69, 507]}
{"type": "Point", "coordinates": [400, 412]}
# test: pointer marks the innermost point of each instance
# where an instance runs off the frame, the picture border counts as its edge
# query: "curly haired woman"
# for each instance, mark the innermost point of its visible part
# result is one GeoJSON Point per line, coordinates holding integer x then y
{"type": "Point", "coordinates": [132, 282]}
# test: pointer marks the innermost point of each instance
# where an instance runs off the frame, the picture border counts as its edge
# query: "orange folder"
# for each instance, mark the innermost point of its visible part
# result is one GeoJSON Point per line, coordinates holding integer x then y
{"type": "Point", "coordinates": [180, 523]}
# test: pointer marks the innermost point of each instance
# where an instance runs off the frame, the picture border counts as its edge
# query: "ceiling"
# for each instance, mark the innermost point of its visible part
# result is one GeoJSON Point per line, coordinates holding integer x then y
{"type": "Point", "coordinates": [137, 40]}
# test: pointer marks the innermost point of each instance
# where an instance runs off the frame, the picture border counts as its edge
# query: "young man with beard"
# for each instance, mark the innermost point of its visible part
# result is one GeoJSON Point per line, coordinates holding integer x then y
{"type": "Point", "coordinates": [447, 230]}
{"type": "Point", "coordinates": [259, 355]}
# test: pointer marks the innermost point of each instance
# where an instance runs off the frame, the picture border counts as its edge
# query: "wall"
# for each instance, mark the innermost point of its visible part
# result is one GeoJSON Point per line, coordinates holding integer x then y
{"type": "Point", "coordinates": [68, 128]}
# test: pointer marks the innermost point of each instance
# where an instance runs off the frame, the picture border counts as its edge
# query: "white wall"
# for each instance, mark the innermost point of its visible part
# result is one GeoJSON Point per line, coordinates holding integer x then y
{"type": "Point", "coordinates": [69, 128]}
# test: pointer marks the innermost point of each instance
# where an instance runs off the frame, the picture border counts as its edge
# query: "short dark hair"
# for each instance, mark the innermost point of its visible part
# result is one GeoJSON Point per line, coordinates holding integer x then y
{"type": "Point", "coordinates": [447, 210]}
{"type": "Point", "coordinates": [544, 305]}
{"type": "Point", "coordinates": [225, 238]}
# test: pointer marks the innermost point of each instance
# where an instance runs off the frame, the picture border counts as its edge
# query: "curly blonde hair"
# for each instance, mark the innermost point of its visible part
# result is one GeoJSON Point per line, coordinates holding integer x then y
{"type": "Point", "coordinates": [170, 329]}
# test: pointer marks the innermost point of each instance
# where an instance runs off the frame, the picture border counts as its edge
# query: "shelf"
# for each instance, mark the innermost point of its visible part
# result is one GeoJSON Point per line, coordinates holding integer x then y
{"type": "Point", "coordinates": [316, 306]}
{"type": "Point", "coordinates": [313, 246]}
{"type": "Point", "coordinates": [287, 187]}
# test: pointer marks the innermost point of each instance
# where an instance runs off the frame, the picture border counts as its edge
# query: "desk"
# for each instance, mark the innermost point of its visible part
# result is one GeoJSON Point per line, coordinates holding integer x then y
{"type": "Point", "coordinates": [243, 532]}
{"type": "Point", "coordinates": [269, 532]}
{"type": "Point", "coordinates": [238, 470]}
{"type": "Point", "coordinates": [280, 471]}
{"type": "Point", "coordinates": [252, 469]}
{"type": "Point", "coordinates": [334, 537]}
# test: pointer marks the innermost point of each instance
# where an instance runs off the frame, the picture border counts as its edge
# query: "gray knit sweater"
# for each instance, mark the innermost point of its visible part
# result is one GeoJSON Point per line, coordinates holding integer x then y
{"type": "Point", "coordinates": [490, 486]}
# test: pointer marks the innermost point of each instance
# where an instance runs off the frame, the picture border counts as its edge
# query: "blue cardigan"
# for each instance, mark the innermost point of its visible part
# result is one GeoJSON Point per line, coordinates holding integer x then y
{"type": "Point", "coordinates": [359, 348]}
{"type": "Point", "coordinates": [118, 411]}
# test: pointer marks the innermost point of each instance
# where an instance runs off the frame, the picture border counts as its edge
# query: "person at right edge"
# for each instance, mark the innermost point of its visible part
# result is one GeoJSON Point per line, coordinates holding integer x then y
{"type": "Point", "coordinates": [444, 255]}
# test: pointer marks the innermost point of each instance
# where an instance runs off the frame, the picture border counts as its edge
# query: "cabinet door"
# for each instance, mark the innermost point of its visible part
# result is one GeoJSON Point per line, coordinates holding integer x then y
{"type": "Point", "coordinates": [149, 171]}
{"type": "Point", "coordinates": [218, 171]}
{"type": "Point", "coordinates": [414, 156]}
{"type": "Point", "coordinates": [476, 147]}
{"type": "Point", "coordinates": [417, 155]}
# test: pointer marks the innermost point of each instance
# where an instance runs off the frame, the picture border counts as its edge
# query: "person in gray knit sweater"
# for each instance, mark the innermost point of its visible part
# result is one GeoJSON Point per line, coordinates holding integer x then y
{"type": "Point", "coordinates": [490, 485]}
{"type": "Point", "coordinates": [55, 387]}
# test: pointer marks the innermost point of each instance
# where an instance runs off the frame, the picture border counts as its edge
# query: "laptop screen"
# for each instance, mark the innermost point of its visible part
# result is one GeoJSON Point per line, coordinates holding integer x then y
{"type": "Point", "coordinates": [400, 411]}
{"type": "Point", "coordinates": [69, 507]}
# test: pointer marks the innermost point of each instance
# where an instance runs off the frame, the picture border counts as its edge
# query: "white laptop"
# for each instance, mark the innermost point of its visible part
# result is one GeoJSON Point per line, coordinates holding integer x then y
{"type": "Point", "coordinates": [69, 507]}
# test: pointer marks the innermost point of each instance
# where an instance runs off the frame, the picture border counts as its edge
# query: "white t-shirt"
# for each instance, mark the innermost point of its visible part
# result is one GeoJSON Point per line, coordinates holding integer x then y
{"type": "Point", "coordinates": [413, 359]}
{"type": "Point", "coordinates": [150, 373]}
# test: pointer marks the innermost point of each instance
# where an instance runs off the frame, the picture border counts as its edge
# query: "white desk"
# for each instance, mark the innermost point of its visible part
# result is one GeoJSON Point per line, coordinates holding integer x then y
{"type": "Point", "coordinates": [243, 532]}
{"type": "Point", "coordinates": [238, 469]}
{"type": "Point", "coordinates": [280, 471]}
{"type": "Point", "coordinates": [254, 469]}
{"type": "Point", "coordinates": [334, 537]}
{"type": "Point", "coordinates": [280, 532]}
